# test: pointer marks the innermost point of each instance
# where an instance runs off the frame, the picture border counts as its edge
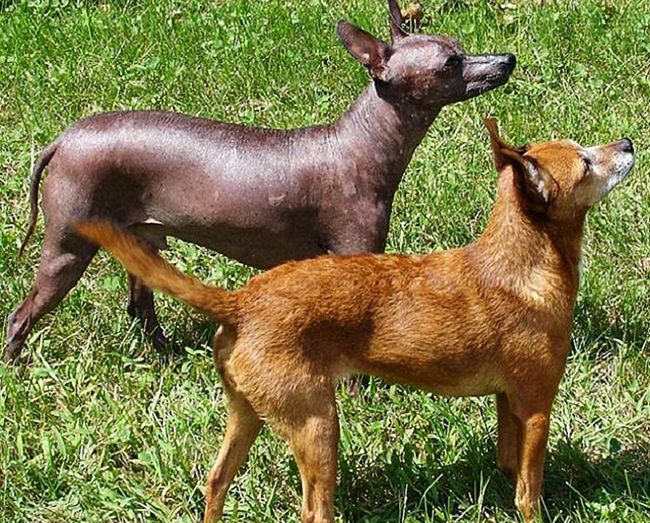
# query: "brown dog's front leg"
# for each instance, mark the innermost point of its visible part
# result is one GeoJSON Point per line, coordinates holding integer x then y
{"type": "Point", "coordinates": [534, 435]}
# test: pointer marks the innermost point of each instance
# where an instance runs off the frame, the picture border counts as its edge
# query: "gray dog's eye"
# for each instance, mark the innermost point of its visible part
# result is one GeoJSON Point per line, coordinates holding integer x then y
{"type": "Point", "coordinates": [453, 61]}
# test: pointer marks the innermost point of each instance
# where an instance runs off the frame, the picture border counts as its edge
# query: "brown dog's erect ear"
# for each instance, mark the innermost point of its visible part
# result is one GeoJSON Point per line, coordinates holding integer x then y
{"type": "Point", "coordinates": [395, 21]}
{"type": "Point", "coordinates": [538, 186]}
{"type": "Point", "coordinates": [370, 51]}
{"type": "Point", "coordinates": [499, 148]}
{"type": "Point", "coordinates": [495, 140]}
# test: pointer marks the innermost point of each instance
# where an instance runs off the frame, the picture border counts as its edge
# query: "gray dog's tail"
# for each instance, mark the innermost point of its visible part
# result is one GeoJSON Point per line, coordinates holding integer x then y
{"type": "Point", "coordinates": [45, 158]}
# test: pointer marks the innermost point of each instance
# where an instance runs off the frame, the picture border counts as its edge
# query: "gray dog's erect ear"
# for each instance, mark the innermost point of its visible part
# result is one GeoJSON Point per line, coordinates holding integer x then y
{"type": "Point", "coordinates": [370, 51]}
{"type": "Point", "coordinates": [538, 186]}
{"type": "Point", "coordinates": [395, 20]}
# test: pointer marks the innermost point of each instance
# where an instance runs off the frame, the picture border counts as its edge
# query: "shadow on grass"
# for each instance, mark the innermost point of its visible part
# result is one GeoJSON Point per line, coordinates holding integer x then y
{"type": "Point", "coordinates": [386, 490]}
{"type": "Point", "coordinates": [573, 478]}
{"type": "Point", "coordinates": [195, 333]}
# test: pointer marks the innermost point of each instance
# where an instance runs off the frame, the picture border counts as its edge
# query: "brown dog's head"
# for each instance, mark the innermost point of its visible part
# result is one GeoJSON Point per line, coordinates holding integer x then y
{"type": "Point", "coordinates": [562, 179]}
{"type": "Point", "coordinates": [424, 70]}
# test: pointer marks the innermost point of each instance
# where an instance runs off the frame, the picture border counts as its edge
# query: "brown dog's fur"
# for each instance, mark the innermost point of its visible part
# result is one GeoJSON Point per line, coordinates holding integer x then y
{"type": "Point", "coordinates": [491, 318]}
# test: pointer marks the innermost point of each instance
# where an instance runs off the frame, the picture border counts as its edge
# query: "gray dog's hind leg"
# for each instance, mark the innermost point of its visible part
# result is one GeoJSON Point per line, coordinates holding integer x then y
{"type": "Point", "coordinates": [141, 306]}
{"type": "Point", "coordinates": [63, 261]}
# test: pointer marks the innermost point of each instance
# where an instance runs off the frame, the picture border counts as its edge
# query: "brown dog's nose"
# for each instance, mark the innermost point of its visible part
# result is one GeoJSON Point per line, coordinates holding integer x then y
{"type": "Point", "coordinates": [627, 146]}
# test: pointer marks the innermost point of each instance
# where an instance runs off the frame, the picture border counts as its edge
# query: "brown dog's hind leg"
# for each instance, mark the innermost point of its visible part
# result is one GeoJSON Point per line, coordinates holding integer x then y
{"type": "Point", "coordinates": [508, 438]}
{"type": "Point", "coordinates": [267, 375]}
{"type": "Point", "coordinates": [242, 428]}
{"type": "Point", "coordinates": [63, 261]}
{"type": "Point", "coordinates": [314, 440]}
{"type": "Point", "coordinates": [141, 307]}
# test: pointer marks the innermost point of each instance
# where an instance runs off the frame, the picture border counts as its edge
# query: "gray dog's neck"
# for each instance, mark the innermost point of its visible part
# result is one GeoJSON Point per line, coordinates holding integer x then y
{"type": "Point", "coordinates": [385, 132]}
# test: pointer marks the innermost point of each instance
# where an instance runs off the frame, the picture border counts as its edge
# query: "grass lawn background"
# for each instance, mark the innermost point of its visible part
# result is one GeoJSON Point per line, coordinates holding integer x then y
{"type": "Point", "coordinates": [100, 427]}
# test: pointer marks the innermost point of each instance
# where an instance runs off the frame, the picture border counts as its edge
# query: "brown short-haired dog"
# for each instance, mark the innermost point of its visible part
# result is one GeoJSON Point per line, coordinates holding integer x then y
{"type": "Point", "coordinates": [491, 318]}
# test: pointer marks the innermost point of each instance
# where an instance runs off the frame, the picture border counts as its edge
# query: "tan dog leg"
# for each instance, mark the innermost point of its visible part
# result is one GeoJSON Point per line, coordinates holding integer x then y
{"type": "Point", "coordinates": [314, 442]}
{"type": "Point", "coordinates": [508, 438]}
{"type": "Point", "coordinates": [242, 428]}
{"type": "Point", "coordinates": [534, 435]}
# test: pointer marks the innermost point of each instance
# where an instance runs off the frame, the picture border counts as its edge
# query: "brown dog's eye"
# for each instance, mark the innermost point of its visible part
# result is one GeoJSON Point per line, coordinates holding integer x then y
{"type": "Point", "coordinates": [587, 165]}
{"type": "Point", "coordinates": [453, 61]}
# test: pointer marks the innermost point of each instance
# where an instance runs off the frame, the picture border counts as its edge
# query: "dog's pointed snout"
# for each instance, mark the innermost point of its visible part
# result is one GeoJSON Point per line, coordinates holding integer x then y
{"type": "Point", "coordinates": [627, 145]}
{"type": "Point", "coordinates": [511, 60]}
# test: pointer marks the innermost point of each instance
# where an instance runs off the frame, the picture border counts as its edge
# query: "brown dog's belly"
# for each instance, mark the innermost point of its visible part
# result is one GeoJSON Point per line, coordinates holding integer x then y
{"type": "Point", "coordinates": [452, 374]}
{"type": "Point", "coordinates": [437, 337]}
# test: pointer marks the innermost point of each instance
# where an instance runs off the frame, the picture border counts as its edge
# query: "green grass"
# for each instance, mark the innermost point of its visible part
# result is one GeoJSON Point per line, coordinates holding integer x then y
{"type": "Point", "coordinates": [99, 427]}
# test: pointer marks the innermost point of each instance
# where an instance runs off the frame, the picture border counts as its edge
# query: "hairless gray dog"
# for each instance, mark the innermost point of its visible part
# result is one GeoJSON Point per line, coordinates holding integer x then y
{"type": "Point", "coordinates": [260, 196]}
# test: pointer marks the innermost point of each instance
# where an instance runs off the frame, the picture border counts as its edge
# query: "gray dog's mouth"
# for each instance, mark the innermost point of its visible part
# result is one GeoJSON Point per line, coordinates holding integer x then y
{"type": "Point", "coordinates": [498, 78]}
{"type": "Point", "coordinates": [487, 84]}
{"type": "Point", "coordinates": [488, 71]}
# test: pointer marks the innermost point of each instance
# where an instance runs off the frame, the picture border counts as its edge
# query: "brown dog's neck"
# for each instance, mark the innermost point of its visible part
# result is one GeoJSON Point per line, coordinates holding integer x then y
{"type": "Point", "coordinates": [387, 133]}
{"type": "Point", "coordinates": [526, 253]}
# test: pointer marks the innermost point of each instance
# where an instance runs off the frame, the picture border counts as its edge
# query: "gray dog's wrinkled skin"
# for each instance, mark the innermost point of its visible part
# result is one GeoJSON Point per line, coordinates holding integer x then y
{"type": "Point", "coordinates": [260, 196]}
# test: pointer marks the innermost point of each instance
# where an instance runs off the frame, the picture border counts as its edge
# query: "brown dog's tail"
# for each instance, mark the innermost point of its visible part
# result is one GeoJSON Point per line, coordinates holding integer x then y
{"type": "Point", "coordinates": [156, 273]}
{"type": "Point", "coordinates": [45, 158]}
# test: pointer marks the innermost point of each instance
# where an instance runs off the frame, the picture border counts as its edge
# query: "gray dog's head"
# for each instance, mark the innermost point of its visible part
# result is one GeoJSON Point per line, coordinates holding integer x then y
{"type": "Point", "coordinates": [421, 69]}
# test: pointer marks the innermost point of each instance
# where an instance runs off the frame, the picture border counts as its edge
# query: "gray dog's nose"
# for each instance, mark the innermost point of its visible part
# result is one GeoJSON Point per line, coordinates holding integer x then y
{"type": "Point", "coordinates": [511, 60]}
